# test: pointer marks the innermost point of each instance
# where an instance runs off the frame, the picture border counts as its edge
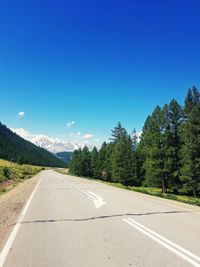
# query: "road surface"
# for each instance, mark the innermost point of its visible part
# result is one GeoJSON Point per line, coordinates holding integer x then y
{"type": "Point", "coordinates": [70, 221]}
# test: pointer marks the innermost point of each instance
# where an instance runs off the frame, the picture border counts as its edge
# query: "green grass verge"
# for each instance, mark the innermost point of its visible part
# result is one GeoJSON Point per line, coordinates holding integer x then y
{"type": "Point", "coordinates": [62, 171]}
{"type": "Point", "coordinates": [157, 192]}
{"type": "Point", "coordinates": [11, 174]}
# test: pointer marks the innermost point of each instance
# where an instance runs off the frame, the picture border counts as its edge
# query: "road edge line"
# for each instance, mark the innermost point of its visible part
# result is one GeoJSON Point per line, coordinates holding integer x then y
{"type": "Point", "coordinates": [13, 234]}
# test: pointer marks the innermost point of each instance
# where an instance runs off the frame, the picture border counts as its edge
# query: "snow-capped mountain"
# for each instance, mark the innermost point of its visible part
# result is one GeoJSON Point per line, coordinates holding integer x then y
{"type": "Point", "coordinates": [53, 145]}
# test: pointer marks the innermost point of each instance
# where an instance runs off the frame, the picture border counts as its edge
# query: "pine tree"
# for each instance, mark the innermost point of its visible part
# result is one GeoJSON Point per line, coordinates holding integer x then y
{"type": "Point", "coordinates": [94, 158]}
{"type": "Point", "coordinates": [107, 170]}
{"type": "Point", "coordinates": [117, 132]}
{"type": "Point", "coordinates": [155, 151]}
{"type": "Point", "coordinates": [101, 161]}
{"type": "Point", "coordinates": [86, 162]}
{"type": "Point", "coordinates": [121, 159]}
{"type": "Point", "coordinates": [173, 121]}
{"type": "Point", "coordinates": [190, 172]}
{"type": "Point", "coordinates": [134, 138]}
{"type": "Point", "coordinates": [192, 99]}
{"type": "Point", "coordinates": [75, 164]}
{"type": "Point", "coordinates": [136, 164]}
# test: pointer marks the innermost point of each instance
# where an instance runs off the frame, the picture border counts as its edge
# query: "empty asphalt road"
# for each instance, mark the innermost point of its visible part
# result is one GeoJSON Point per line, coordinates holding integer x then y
{"type": "Point", "coordinates": [71, 221]}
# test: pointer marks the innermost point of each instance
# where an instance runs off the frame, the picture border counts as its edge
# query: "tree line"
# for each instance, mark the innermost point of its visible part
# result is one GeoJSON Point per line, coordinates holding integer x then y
{"type": "Point", "coordinates": [16, 149]}
{"type": "Point", "coordinates": [167, 155]}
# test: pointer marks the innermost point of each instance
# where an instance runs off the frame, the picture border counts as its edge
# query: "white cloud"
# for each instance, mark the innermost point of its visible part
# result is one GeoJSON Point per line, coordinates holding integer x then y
{"type": "Point", "coordinates": [79, 135]}
{"type": "Point", "coordinates": [21, 114]}
{"type": "Point", "coordinates": [70, 124]}
{"type": "Point", "coordinates": [87, 136]}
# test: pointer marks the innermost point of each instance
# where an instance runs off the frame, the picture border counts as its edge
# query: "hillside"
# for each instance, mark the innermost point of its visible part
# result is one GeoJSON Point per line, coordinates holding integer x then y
{"type": "Point", "coordinates": [65, 156]}
{"type": "Point", "coordinates": [15, 148]}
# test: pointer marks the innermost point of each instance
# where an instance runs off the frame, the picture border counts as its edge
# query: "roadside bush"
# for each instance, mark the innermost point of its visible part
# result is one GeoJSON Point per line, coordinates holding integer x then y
{"type": "Point", "coordinates": [4, 173]}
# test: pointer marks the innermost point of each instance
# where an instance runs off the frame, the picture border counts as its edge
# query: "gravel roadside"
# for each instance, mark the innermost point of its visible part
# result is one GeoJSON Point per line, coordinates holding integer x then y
{"type": "Point", "coordinates": [12, 203]}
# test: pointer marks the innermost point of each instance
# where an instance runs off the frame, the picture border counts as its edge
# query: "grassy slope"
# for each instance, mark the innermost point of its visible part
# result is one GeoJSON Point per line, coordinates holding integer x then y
{"type": "Point", "coordinates": [15, 174]}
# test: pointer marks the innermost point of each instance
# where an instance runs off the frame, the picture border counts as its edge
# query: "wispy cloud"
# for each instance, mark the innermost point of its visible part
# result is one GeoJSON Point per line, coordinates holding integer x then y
{"type": "Point", "coordinates": [21, 114]}
{"type": "Point", "coordinates": [69, 124]}
{"type": "Point", "coordinates": [87, 136]}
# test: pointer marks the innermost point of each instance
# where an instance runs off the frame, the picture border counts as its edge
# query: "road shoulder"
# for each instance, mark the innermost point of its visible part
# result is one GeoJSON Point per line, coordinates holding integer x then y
{"type": "Point", "coordinates": [11, 205]}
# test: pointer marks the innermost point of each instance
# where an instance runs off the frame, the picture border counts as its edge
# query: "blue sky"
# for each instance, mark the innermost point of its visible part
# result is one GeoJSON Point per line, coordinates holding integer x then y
{"type": "Point", "coordinates": [94, 62]}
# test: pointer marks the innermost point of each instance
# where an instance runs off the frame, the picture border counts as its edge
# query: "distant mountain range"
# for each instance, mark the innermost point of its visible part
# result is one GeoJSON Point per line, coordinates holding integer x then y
{"type": "Point", "coordinates": [15, 148]}
{"type": "Point", "coordinates": [53, 145]}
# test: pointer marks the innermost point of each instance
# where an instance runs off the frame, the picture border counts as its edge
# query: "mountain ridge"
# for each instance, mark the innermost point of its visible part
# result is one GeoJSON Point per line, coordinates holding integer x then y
{"type": "Point", "coordinates": [17, 149]}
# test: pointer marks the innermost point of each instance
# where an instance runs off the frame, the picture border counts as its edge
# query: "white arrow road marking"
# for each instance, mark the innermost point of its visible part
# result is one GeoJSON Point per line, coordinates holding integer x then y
{"type": "Point", "coordinates": [178, 250]}
{"type": "Point", "coordinates": [85, 193]}
{"type": "Point", "coordinates": [98, 201]}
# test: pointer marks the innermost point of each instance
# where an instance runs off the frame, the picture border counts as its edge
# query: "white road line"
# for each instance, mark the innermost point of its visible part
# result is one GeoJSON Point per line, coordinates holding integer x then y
{"type": "Point", "coordinates": [15, 230]}
{"type": "Point", "coordinates": [166, 240]}
{"type": "Point", "coordinates": [85, 193]}
{"type": "Point", "coordinates": [98, 201]}
{"type": "Point", "coordinates": [176, 249]}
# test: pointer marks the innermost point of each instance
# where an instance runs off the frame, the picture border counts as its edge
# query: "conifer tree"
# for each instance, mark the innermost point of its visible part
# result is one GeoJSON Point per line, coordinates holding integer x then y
{"type": "Point", "coordinates": [94, 158]}
{"type": "Point", "coordinates": [107, 170]}
{"type": "Point", "coordinates": [192, 99]}
{"type": "Point", "coordinates": [173, 121]}
{"type": "Point", "coordinates": [136, 161]}
{"type": "Point", "coordinates": [117, 132]}
{"type": "Point", "coordinates": [155, 151]}
{"type": "Point", "coordinates": [75, 164]}
{"type": "Point", "coordinates": [86, 162]}
{"type": "Point", "coordinates": [191, 150]}
{"type": "Point", "coordinates": [121, 159]}
{"type": "Point", "coordinates": [101, 161]}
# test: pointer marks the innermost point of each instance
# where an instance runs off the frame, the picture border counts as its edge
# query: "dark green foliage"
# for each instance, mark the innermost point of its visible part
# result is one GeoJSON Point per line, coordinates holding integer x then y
{"type": "Point", "coordinates": [86, 162]}
{"type": "Point", "coordinates": [107, 170]}
{"type": "Point", "coordinates": [75, 164]}
{"type": "Point", "coordinates": [81, 163]}
{"type": "Point", "coordinates": [100, 164]}
{"type": "Point", "coordinates": [191, 153]}
{"type": "Point", "coordinates": [167, 156]}
{"type": "Point", "coordinates": [117, 132]}
{"type": "Point", "coordinates": [173, 122]}
{"type": "Point", "coordinates": [192, 99]}
{"type": "Point", "coordinates": [15, 148]}
{"type": "Point", "coordinates": [154, 149]}
{"type": "Point", "coordinates": [121, 160]}
{"type": "Point", "coordinates": [94, 157]}
{"type": "Point", "coordinates": [20, 159]}
{"type": "Point", "coordinates": [6, 172]}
